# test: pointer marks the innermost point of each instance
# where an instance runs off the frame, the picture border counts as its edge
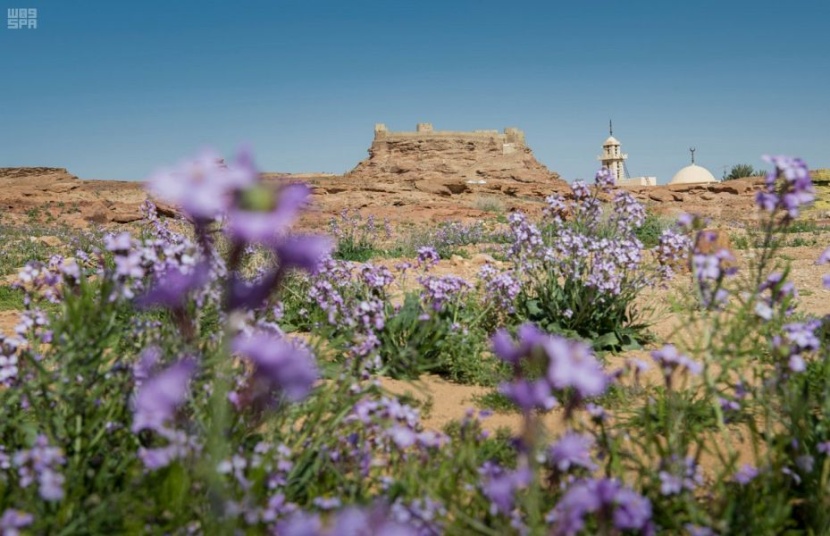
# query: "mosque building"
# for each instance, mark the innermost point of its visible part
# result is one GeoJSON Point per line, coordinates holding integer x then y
{"type": "Point", "coordinates": [693, 174]}
{"type": "Point", "coordinates": [614, 159]}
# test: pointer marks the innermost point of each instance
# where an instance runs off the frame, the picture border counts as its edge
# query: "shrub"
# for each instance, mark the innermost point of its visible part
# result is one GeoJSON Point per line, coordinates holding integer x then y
{"type": "Point", "coordinates": [581, 273]}
{"type": "Point", "coordinates": [740, 171]}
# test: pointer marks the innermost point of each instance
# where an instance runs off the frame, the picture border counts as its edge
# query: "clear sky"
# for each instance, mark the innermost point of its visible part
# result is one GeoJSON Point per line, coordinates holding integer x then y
{"type": "Point", "coordinates": [113, 89]}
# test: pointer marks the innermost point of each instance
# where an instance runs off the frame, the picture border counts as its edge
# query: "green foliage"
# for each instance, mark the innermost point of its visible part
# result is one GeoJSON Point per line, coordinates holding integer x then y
{"type": "Point", "coordinates": [607, 324]}
{"type": "Point", "coordinates": [740, 171]}
{"type": "Point", "coordinates": [415, 341]}
{"type": "Point", "coordinates": [10, 298]}
{"type": "Point", "coordinates": [495, 401]}
{"type": "Point", "coordinates": [653, 226]}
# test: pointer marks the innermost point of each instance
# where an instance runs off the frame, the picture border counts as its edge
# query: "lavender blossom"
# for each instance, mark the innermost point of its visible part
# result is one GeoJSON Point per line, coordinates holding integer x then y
{"type": "Point", "coordinates": [500, 485]}
{"type": "Point", "coordinates": [572, 365]}
{"type": "Point", "coordinates": [13, 520]}
{"type": "Point", "coordinates": [303, 252]}
{"type": "Point", "coordinates": [669, 360]}
{"type": "Point", "coordinates": [203, 187]}
{"type": "Point", "coordinates": [618, 507]}
{"type": "Point", "coordinates": [40, 464]}
{"type": "Point", "coordinates": [572, 450]}
{"type": "Point", "coordinates": [788, 187]}
{"type": "Point", "coordinates": [160, 396]}
{"type": "Point", "coordinates": [280, 366]}
{"type": "Point", "coordinates": [262, 215]}
{"type": "Point", "coordinates": [605, 179]}
{"type": "Point", "coordinates": [427, 257]}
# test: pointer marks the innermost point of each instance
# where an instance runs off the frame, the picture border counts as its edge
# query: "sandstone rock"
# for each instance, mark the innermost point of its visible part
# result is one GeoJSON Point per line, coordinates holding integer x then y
{"type": "Point", "coordinates": [661, 196]}
{"type": "Point", "coordinates": [167, 210]}
{"type": "Point", "coordinates": [710, 241]}
{"type": "Point", "coordinates": [707, 196]}
{"type": "Point", "coordinates": [96, 212]}
{"type": "Point", "coordinates": [432, 187]}
{"type": "Point", "coordinates": [482, 258]}
{"type": "Point", "coordinates": [48, 240]}
{"type": "Point", "coordinates": [125, 216]}
{"type": "Point", "coordinates": [436, 156]}
{"type": "Point", "coordinates": [457, 187]}
{"type": "Point", "coordinates": [60, 187]}
{"type": "Point", "coordinates": [731, 187]}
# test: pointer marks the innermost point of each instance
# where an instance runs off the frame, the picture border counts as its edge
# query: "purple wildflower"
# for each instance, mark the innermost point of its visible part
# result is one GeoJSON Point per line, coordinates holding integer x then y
{"type": "Point", "coordinates": [203, 187]}
{"type": "Point", "coordinates": [40, 464]}
{"type": "Point", "coordinates": [529, 394]}
{"type": "Point", "coordinates": [354, 521]}
{"type": "Point", "coordinates": [173, 286]}
{"type": "Point", "coordinates": [260, 218]}
{"type": "Point", "coordinates": [572, 450]}
{"type": "Point", "coordinates": [788, 187]}
{"type": "Point", "coordinates": [500, 485]}
{"type": "Point", "coordinates": [279, 365]}
{"type": "Point", "coordinates": [427, 257]}
{"type": "Point", "coordinates": [605, 179]}
{"type": "Point", "coordinates": [13, 520]}
{"type": "Point", "coordinates": [669, 359]}
{"type": "Point", "coordinates": [529, 337]}
{"type": "Point", "coordinates": [160, 396]}
{"type": "Point", "coordinates": [572, 365]}
{"type": "Point", "coordinates": [303, 252]}
{"type": "Point", "coordinates": [628, 510]}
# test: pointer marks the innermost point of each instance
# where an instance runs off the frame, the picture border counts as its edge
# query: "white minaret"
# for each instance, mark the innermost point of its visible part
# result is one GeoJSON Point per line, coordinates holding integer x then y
{"type": "Point", "coordinates": [611, 157]}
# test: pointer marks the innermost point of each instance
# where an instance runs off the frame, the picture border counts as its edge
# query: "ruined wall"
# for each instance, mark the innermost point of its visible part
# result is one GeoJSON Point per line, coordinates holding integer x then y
{"type": "Point", "coordinates": [427, 153]}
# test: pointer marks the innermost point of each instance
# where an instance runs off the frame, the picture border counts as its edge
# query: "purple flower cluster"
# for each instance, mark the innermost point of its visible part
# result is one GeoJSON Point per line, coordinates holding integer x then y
{"type": "Point", "coordinates": [572, 450]}
{"type": "Point", "coordinates": [13, 520]}
{"type": "Point", "coordinates": [568, 365]}
{"type": "Point", "coordinates": [527, 245]}
{"type": "Point", "coordinates": [781, 294]}
{"type": "Point", "coordinates": [279, 366]}
{"type": "Point", "coordinates": [629, 214]}
{"type": "Point", "coordinates": [500, 486]}
{"type": "Point", "coordinates": [156, 402]}
{"type": "Point", "coordinates": [605, 179]}
{"type": "Point", "coordinates": [788, 186]}
{"type": "Point", "coordinates": [500, 288]}
{"type": "Point", "coordinates": [678, 475]}
{"type": "Point", "coordinates": [797, 339]}
{"type": "Point", "coordinates": [9, 368]}
{"type": "Point", "coordinates": [438, 291]}
{"type": "Point", "coordinates": [556, 210]}
{"type": "Point", "coordinates": [669, 360]}
{"type": "Point", "coordinates": [255, 212]}
{"type": "Point", "coordinates": [710, 270]}
{"type": "Point", "coordinates": [672, 251]}
{"type": "Point", "coordinates": [745, 474]}
{"type": "Point", "coordinates": [616, 506]}
{"type": "Point", "coordinates": [427, 257]}
{"type": "Point", "coordinates": [40, 464]}
{"type": "Point", "coordinates": [824, 258]}
{"type": "Point", "coordinates": [349, 521]}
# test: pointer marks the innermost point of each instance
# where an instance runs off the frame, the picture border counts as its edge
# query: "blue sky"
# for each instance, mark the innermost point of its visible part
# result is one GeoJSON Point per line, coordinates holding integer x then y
{"type": "Point", "coordinates": [112, 90]}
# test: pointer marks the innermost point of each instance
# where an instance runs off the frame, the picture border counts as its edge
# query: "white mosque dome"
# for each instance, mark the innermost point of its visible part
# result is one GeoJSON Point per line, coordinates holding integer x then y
{"type": "Point", "coordinates": [693, 174]}
{"type": "Point", "coordinates": [610, 141]}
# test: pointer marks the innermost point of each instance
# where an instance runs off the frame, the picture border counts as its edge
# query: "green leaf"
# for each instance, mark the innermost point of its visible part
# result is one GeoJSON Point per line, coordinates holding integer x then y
{"type": "Point", "coordinates": [608, 340]}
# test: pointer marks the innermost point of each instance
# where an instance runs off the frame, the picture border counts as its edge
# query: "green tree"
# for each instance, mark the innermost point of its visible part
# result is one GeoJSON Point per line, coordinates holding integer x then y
{"type": "Point", "coordinates": [739, 171]}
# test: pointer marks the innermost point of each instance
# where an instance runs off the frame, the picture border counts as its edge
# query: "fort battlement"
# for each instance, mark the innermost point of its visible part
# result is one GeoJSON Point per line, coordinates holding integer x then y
{"type": "Point", "coordinates": [426, 155]}
{"type": "Point", "coordinates": [509, 140]}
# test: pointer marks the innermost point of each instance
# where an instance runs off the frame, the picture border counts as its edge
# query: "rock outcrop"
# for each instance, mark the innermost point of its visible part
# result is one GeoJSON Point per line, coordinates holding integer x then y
{"type": "Point", "coordinates": [427, 156]}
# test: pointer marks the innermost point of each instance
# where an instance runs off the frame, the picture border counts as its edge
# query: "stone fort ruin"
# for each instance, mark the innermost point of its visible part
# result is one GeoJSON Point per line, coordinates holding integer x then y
{"type": "Point", "coordinates": [508, 140]}
{"type": "Point", "coordinates": [476, 156]}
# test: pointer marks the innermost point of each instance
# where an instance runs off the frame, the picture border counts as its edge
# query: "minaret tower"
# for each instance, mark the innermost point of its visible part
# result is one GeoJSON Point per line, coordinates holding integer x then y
{"type": "Point", "coordinates": [612, 158]}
